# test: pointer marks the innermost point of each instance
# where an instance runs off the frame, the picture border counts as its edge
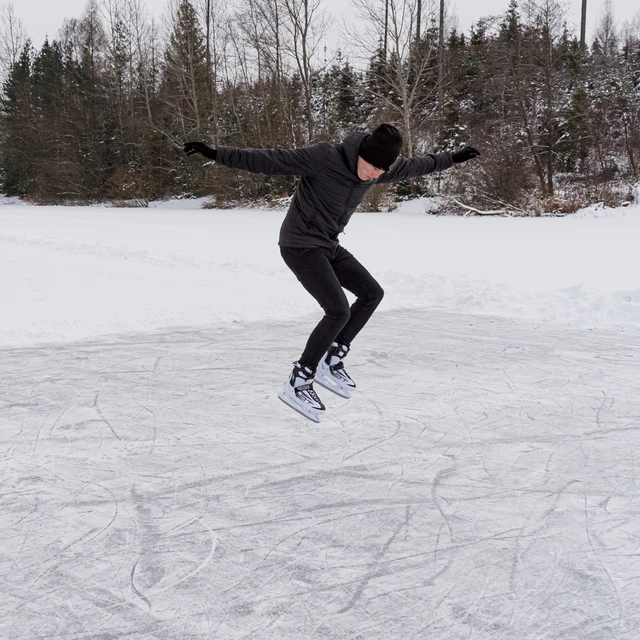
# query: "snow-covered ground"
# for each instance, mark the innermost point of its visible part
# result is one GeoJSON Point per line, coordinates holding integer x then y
{"type": "Point", "coordinates": [74, 273]}
{"type": "Point", "coordinates": [482, 483]}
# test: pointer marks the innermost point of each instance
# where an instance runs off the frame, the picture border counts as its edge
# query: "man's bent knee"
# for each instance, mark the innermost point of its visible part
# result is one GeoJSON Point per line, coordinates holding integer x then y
{"type": "Point", "coordinates": [338, 315]}
{"type": "Point", "coordinates": [374, 297]}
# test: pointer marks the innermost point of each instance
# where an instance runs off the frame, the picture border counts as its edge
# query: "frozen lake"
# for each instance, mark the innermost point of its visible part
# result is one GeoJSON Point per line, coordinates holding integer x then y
{"type": "Point", "coordinates": [482, 484]}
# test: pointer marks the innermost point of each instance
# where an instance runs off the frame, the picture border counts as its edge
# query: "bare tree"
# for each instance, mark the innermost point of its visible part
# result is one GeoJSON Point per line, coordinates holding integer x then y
{"type": "Point", "coordinates": [257, 42]}
{"type": "Point", "coordinates": [539, 86]}
{"type": "Point", "coordinates": [630, 39]}
{"type": "Point", "coordinates": [144, 35]}
{"type": "Point", "coordinates": [629, 100]}
{"type": "Point", "coordinates": [606, 32]}
{"type": "Point", "coordinates": [214, 18]}
{"type": "Point", "coordinates": [119, 59]}
{"type": "Point", "coordinates": [306, 25]}
{"type": "Point", "coordinates": [401, 76]}
{"type": "Point", "coordinates": [441, 29]}
{"type": "Point", "coordinates": [12, 38]}
{"type": "Point", "coordinates": [262, 23]}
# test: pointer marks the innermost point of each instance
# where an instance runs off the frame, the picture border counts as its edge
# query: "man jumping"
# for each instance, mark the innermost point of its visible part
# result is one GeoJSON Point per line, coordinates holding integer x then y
{"type": "Point", "coordinates": [334, 180]}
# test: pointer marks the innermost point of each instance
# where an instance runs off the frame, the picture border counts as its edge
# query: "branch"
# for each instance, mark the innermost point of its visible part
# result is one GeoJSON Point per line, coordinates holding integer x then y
{"type": "Point", "coordinates": [496, 212]}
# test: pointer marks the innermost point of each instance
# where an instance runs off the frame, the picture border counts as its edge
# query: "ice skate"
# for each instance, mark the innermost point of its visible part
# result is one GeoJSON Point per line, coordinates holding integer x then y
{"type": "Point", "coordinates": [331, 373]}
{"type": "Point", "coordinates": [298, 393]}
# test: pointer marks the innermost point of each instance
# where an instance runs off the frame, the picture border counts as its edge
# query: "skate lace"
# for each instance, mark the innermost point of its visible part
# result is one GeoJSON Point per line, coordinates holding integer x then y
{"type": "Point", "coordinates": [340, 373]}
{"type": "Point", "coordinates": [310, 391]}
{"type": "Point", "coordinates": [340, 350]}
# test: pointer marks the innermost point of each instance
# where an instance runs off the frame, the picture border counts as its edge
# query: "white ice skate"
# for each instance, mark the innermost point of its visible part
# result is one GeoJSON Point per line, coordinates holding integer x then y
{"type": "Point", "coordinates": [298, 393]}
{"type": "Point", "coordinates": [331, 373]}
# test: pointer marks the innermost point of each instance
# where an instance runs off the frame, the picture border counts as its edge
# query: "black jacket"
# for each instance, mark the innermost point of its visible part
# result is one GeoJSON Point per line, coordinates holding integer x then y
{"type": "Point", "coordinates": [330, 190]}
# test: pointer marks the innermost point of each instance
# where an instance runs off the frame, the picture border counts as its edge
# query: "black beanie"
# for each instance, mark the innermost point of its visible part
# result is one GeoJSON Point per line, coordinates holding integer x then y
{"type": "Point", "coordinates": [382, 147]}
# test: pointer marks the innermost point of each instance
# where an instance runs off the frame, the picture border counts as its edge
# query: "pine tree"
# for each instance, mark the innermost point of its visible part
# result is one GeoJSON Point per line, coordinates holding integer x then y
{"type": "Point", "coordinates": [185, 94]}
{"type": "Point", "coordinates": [185, 73]}
{"type": "Point", "coordinates": [341, 89]}
{"type": "Point", "coordinates": [48, 94]}
{"type": "Point", "coordinates": [16, 150]}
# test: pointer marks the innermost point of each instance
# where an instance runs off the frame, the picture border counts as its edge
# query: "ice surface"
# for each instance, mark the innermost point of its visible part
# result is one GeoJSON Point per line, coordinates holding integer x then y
{"type": "Point", "coordinates": [482, 484]}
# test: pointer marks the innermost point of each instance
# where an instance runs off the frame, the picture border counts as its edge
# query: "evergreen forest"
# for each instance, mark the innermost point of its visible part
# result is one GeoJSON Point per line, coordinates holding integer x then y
{"type": "Point", "coordinates": [101, 111]}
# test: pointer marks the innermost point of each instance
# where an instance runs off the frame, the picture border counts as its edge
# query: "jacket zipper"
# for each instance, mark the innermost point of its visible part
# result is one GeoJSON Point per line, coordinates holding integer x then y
{"type": "Point", "coordinates": [346, 206]}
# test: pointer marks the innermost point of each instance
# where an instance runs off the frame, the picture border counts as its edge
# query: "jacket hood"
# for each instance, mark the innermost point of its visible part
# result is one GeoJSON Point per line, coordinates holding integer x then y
{"type": "Point", "coordinates": [350, 147]}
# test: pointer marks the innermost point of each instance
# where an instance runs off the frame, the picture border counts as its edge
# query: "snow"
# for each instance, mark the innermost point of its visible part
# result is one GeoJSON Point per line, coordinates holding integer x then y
{"type": "Point", "coordinates": [481, 484]}
{"type": "Point", "coordinates": [75, 273]}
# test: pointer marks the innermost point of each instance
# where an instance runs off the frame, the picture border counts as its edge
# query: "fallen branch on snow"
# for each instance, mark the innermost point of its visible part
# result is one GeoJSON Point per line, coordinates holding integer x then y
{"type": "Point", "coordinates": [496, 212]}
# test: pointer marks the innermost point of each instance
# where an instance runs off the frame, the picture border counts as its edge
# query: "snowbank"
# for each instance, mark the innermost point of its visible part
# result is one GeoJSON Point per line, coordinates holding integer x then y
{"type": "Point", "coordinates": [69, 273]}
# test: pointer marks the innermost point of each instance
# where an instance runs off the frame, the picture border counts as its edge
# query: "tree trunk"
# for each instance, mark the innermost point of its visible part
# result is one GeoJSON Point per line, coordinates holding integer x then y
{"type": "Point", "coordinates": [212, 76]}
{"type": "Point", "coordinates": [441, 59]}
{"type": "Point", "coordinates": [532, 144]}
{"type": "Point", "coordinates": [583, 27]}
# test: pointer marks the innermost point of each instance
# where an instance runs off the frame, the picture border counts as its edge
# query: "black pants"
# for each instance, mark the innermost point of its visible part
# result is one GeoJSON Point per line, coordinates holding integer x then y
{"type": "Point", "coordinates": [323, 273]}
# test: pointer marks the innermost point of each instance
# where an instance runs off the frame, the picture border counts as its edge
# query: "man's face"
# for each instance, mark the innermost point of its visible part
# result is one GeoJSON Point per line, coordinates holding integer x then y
{"type": "Point", "coordinates": [367, 171]}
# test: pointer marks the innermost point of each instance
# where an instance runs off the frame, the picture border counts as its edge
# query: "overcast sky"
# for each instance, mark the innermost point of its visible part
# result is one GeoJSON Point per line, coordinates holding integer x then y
{"type": "Point", "coordinates": [44, 17]}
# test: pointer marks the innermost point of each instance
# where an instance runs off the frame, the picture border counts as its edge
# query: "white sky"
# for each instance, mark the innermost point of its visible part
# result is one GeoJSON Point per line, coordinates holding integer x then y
{"type": "Point", "coordinates": [44, 17]}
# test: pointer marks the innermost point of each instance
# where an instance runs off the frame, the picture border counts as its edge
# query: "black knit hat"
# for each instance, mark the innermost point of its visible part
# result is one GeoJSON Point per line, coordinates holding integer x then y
{"type": "Point", "coordinates": [382, 147]}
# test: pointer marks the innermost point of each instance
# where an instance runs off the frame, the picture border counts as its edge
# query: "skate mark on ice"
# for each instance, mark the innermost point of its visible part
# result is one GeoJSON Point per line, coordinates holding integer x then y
{"type": "Point", "coordinates": [375, 570]}
{"type": "Point", "coordinates": [514, 351]}
{"type": "Point", "coordinates": [319, 524]}
{"type": "Point", "coordinates": [158, 560]}
{"type": "Point", "coordinates": [85, 538]}
{"type": "Point", "coordinates": [375, 444]}
{"type": "Point", "coordinates": [293, 534]}
{"type": "Point", "coordinates": [445, 617]}
{"type": "Point", "coordinates": [218, 479]}
{"type": "Point", "coordinates": [436, 500]}
{"type": "Point", "coordinates": [605, 400]}
{"type": "Point", "coordinates": [518, 554]}
{"type": "Point", "coordinates": [155, 422]}
{"type": "Point", "coordinates": [602, 564]}
{"type": "Point", "coordinates": [58, 560]}
{"type": "Point", "coordinates": [349, 441]}
{"type": "Point", "coordinates": [426, 582]}
{"type": "Point", "coordinates": [27, 535]}
{"type": "Point", "coordinates": [37, 440]}
{"type": "Point", "coordinates": [133, 584]}
{"type": "Point", "coordinates": [214, 543]}
{"type": "Point", "coordinates": [101, 415]}
{"type": "Point", "coordinates": [513, 387]}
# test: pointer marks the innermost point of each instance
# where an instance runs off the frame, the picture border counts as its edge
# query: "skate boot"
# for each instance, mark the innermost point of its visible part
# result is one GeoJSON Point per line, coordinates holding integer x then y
{"type": "Point", "coordinates": [298, 393]}
{"type": "Point", "coordinates": [331, 373]}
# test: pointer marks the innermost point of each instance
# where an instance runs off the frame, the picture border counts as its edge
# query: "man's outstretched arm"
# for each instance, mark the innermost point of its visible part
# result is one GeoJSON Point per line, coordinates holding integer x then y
{"type": "Point", "coordinates": [405, 168]}
{"type": "Point", "coordinates": [305, 161]}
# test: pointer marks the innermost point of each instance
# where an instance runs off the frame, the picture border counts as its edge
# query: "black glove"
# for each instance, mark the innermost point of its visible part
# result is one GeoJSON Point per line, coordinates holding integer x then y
{"type": "Point", "coordinates": [200, 147]}
{"type": "Point", "coordinates": [465, 154]}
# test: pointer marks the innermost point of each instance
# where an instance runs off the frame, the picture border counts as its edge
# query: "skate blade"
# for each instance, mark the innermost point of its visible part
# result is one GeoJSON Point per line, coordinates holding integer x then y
{"type": "Point", "coordinates": [332, 385]}
{"type": "Point", "coordinates": [310, 415]}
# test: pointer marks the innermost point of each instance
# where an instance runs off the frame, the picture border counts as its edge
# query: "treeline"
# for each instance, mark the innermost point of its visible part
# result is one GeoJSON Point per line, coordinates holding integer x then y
{"type": "Point", "coordinates": [101, 112]}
